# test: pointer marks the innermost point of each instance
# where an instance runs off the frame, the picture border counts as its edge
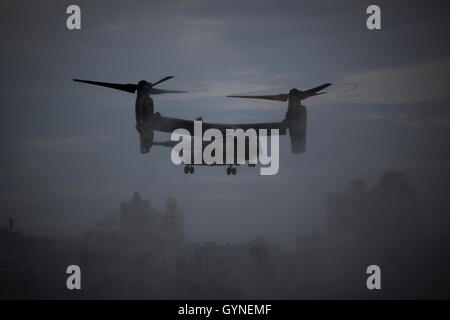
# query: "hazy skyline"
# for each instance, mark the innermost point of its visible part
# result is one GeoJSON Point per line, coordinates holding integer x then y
{"type": "Point", "coordinates": [71, 153]}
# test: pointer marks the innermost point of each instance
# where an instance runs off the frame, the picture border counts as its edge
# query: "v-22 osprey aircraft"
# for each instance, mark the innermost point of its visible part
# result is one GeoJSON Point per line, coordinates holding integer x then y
{"type": "Point", "coordinates": [148, 121]}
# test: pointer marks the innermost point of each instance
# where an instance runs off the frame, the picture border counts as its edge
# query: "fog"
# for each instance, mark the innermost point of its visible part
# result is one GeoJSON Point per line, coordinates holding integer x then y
{"type": "Point", "coordinates": [70, 152]}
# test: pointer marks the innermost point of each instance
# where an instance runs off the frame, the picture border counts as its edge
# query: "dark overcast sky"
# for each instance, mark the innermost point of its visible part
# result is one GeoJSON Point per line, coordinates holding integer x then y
{"type": "Point", "coordinates": [70, 152]}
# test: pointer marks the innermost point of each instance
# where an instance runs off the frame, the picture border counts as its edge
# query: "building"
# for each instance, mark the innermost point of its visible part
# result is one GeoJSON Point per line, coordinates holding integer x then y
{"type": "Point", "coordinates": [309, 247]}
{"type": "Point", "coordinates": [139, 226]}
{"type": "Point", "coordinates": [383, 218]}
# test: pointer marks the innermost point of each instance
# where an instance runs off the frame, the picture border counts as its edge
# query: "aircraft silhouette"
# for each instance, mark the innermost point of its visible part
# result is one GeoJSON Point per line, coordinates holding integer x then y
{"type": "Point", "coordinates": [148, 121]}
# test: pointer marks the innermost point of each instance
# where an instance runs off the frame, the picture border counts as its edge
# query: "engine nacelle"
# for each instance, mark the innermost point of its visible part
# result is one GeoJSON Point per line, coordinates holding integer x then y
{"type": "Point", "coordinates": [146, 138]}
{"type": "Point", "coordinates": [296, 122]}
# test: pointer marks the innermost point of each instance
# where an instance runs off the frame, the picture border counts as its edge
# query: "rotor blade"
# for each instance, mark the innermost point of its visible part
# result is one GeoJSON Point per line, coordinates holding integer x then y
{"type": "Point", "coordinates": [129, 87]}
{"type": "Point", "coordinates": [165, 143]}
{"type": "Point", "coordinates": [319, 93]}
{"type": "Point", "coordinates": [314, 91]}
{"type": "Point", "coordinates": [161, 91]}
{"type": "Point", "coordinates": [275, 97]}
{"type": "Point", "coordinates": [162, 80]}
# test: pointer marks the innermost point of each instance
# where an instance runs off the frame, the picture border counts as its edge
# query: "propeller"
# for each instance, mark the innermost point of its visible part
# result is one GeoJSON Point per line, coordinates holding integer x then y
{"type": "Point", "coordinates": [274, 97]}
{"type": "Point", "coordinates": [162, 80]}
{"type": "Point", "coordinates": [131, 88]}
{"type": "Point", "coordinates": [285, 96]}
{"type": "Point", "coordinates": [165, 143]}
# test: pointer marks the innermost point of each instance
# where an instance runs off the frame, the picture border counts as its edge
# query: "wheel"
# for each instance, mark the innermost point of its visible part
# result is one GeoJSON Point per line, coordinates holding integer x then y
{"type": "Point", "coordinates": [228, 171]}
{"type": "Point", "coordinates": [191, 170]}
{"type": "Point", "coordinates": [186, 169]}
{"type": "Point", "coordinates": [233, 171]}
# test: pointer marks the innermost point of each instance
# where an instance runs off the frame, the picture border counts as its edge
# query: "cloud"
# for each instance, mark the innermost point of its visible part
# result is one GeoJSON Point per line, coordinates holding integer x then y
{"type": "Point", "coordinates": [413, 165]}
{"type": "Point", "coordinates": [200, 30]}
{"type": "Point", "coordinates": [421, 115]}
{"type": "Point", "coordinates": [22, 169]}
{"type": "Point", "coordinates": [204, 22]}
{"type": "Point", "coordinates": [421, 82]}
{"type": "Point", "coordinates": [218, 196]}
{"type": "Point", "coordinates": [182, 4]}
{"type": "Point", "coordinates": [38, 194]}
{"type": "Point", "coordinates": [62, 143]}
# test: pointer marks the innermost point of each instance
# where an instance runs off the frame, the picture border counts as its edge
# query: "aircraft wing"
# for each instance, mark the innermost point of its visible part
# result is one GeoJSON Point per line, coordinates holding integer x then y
{"type": "Point", "coordinates": [167, 124]}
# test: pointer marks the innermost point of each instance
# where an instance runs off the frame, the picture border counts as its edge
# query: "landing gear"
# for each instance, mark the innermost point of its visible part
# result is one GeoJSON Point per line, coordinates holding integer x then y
{"type": "Point", "coordinates": [231, 170]}
{"type": "Point", "coordinates": [250, 165]}
{"type": "Point", "coordinates": [188, 169]}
